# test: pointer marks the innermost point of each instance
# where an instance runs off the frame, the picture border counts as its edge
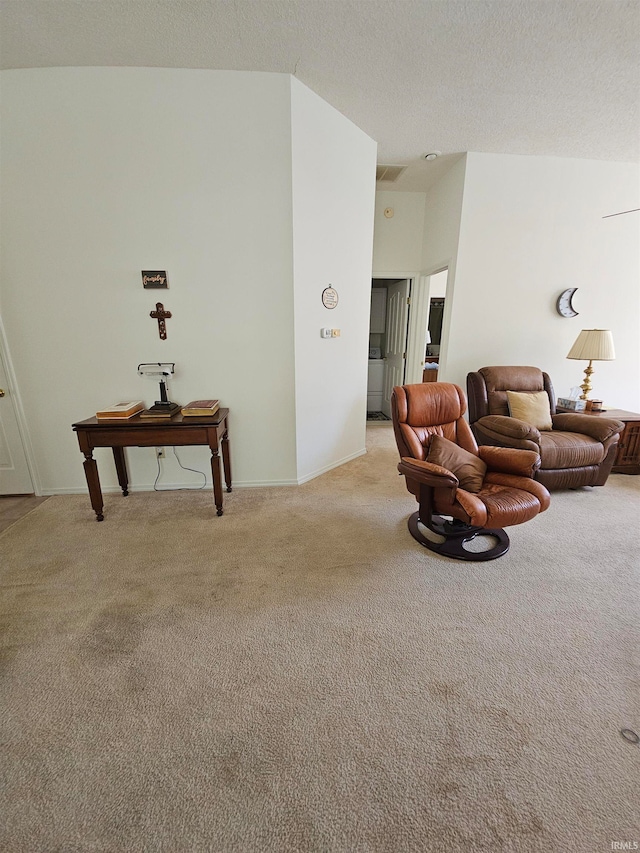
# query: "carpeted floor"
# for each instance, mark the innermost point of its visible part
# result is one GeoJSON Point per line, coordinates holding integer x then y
{"type": "Point", "coordinates": [300, 675]}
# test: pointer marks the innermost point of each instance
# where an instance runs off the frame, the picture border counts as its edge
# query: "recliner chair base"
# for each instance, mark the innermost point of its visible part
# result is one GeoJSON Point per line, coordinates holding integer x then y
{"type": "Point", "coordinates": [455, 534]}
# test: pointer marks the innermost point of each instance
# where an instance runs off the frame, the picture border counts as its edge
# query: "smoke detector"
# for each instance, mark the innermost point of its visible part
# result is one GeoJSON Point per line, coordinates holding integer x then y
{"type": "Point", "coordinates": [432, 155]}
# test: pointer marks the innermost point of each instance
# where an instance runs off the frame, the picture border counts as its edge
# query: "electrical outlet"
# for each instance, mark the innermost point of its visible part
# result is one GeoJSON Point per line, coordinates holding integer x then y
{"type": "Point", "coordinates": [160, 454]}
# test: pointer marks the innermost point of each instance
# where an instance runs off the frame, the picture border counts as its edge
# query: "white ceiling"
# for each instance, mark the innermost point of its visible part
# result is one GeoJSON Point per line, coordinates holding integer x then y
{"type": "Point", "coordinates": [539, 77]}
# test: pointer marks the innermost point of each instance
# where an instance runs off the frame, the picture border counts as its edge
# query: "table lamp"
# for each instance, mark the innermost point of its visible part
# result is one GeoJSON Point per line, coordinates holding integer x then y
{"type": "Point", "coordinates": [592, 345]}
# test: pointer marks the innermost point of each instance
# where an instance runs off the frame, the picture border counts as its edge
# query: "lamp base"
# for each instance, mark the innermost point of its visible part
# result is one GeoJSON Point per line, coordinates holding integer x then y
{"type": "Point", "coordinates": [586, 385]}
{"type": "Point", "coordinates": [164, 407]}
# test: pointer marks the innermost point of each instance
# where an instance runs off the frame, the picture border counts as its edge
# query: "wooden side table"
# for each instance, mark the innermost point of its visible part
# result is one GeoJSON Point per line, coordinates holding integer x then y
{"type": "Point", "coordinates": [627, 459]}
{"type": "Point", "coordinates": [209, 430]}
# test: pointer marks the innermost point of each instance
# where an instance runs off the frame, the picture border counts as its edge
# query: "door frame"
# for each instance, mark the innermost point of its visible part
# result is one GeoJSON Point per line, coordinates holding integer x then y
{"type": "Point", "coordinates": [419, 285]}
{"type": "Point", "coordinates": [417, 323]}
{"type": "Point", "coordinates": [395, 363]}
{"type": "Point", "coordinates": [418, 318]}
{"type": "Point", "coordinates": [413, 278]}
{"type": "Point", "coordinates": [19, 411]}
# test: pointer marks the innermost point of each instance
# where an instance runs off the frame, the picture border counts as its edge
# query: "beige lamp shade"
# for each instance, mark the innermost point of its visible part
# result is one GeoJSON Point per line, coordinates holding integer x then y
{"type": "Point", "coordinates": [593, 345]}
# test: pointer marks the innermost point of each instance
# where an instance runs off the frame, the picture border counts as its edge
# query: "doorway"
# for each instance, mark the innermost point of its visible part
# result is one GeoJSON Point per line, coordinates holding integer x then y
{"type": "Point", "coordinates": [15, 477]}
{"type": "Point", "coordinates": [434, 327]}
{"type": "Point", "coordinates": [437, 290]}
{"type": "Point", "coordinates": [437, 295]}
{"type": "Point", "coordinates": [388, 329]}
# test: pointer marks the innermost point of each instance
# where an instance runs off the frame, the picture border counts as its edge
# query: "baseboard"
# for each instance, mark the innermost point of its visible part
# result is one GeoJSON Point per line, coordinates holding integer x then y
{"type": "Point", "coordinates": [170, 487]}
{"type": "Point", "coordinates": [243, 484]}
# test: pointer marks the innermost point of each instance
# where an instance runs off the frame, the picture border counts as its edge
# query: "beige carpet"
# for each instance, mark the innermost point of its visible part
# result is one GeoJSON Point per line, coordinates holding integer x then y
{"type": "Point", "coordinates": [300, 675]}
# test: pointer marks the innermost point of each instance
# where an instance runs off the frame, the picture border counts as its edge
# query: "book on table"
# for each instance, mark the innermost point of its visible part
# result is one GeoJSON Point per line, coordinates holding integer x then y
{"type": "Point", "coordinates": [200, 408]}
{"type": "Point", "coordinates": [120, 411]}
{"type": "Point", "coordinates": [161, 409]}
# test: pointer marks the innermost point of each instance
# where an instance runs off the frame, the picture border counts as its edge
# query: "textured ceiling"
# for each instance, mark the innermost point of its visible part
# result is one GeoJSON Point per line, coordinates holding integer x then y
{"type": "Point", "coordinates": [539, 77]}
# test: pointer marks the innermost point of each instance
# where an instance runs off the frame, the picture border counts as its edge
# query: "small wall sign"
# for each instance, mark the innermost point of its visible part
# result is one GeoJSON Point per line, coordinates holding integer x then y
{"type": "Point", "coordinates": [154, 279]}
{"type": "Point", "coordinates": [329, 297]}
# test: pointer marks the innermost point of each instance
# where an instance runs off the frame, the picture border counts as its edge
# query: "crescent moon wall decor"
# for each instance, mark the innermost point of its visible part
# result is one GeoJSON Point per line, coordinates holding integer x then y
{"type": "Point", "coordinates": [563, 304]}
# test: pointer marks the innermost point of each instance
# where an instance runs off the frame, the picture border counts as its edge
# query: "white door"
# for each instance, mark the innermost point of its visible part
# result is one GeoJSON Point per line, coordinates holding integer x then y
{"type": "Point", "coordinates": [396, 348]}
{"type": "Point", "coordinates": [14, 471]}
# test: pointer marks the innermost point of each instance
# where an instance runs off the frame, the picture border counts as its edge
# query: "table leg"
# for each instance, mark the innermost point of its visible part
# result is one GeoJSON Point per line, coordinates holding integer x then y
{"type": "Point", "coordinates": [121, 468]}
{"type": "Point", "coordinates": [93, 482]}
{"type": "Point", "coordinates": [226, 460]}
{"type": "Point", "coordinates": [217, 484]}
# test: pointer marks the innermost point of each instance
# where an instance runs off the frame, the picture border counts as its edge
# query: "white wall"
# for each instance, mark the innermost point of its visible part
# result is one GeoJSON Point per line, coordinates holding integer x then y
{"type": "Point", "coordinates": [514, 232]}
{"type": "Point", "coordinates": [443, 211]}
{"type": "Point", "coordinates": [438, 285]}
{"type": "Point", "coordinates": [398, 240]}
{"type": "Point", "coordinates": [531, 227]}
{"type": "Point", "coordinates": [108, 171]}
{"type": "Point", "coordinates": [333, 201]}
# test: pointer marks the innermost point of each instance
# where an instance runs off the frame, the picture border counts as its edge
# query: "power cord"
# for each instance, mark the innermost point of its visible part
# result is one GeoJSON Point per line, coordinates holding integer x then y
{"type": "Point", "coordinates": [184, 467]}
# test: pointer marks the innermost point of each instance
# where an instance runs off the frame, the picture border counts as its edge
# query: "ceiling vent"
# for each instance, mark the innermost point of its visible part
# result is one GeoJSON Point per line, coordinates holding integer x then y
{"type": "Point", "coordinates": [389, 173]}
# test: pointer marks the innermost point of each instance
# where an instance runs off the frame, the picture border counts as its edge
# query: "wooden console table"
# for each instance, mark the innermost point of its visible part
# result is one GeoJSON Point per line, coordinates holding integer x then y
{"type": "Point", "coordinates": [178, 431]}
{"type": "Point", "coordinates": [627, 459]}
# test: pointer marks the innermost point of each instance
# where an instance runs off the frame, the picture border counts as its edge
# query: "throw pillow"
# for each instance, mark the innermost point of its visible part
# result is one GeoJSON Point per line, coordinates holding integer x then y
{"type": "Point", "coordinates": [469, 469]}
{"type": "Point", "coordinates": [531, 407]}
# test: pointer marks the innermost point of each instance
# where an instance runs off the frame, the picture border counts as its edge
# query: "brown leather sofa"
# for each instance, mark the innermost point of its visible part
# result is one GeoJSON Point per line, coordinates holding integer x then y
{"type": "Point", "coordinates": [579, 450]}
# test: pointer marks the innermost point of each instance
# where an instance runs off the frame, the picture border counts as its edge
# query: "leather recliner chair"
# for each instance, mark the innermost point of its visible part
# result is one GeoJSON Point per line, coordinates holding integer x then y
{"type": "Point", "coordinates": [579, 450]}
{"type": "Point", "coordinates": [462, 490]}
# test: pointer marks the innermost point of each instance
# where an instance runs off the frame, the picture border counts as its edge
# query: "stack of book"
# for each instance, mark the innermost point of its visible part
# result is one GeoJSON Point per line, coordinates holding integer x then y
{"type": "Point", "coordinates": [200, 408]}
{"type": "Point", "coordinates": [161, 410]}
{"type": "Point", "coordinates": [121, 411]}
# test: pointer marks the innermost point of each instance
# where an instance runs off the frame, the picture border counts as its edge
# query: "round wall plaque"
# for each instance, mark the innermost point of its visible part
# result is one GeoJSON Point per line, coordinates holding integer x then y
{"type": "Point", "coordinates": [329, 297]}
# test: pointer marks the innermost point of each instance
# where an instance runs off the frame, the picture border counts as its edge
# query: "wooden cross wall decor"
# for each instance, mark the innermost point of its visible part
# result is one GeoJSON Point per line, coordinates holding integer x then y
{"type": "Point", "coordinates": [161, 315]}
